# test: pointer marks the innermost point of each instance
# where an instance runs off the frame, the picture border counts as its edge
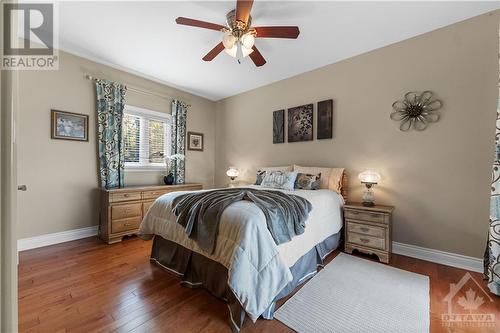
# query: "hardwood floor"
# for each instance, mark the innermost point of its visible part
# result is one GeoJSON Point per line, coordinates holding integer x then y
{"type": "Point", "coordinates": [88, 286]}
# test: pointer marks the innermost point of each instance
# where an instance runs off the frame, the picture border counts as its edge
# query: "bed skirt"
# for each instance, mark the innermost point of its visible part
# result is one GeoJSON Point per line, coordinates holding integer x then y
{"type": "Point", "coordinates": [196, 270]}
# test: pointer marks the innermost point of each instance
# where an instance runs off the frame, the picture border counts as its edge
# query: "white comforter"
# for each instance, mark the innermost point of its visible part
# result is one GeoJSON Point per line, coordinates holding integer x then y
{"type": "Point", "coordinates": [257, 268]}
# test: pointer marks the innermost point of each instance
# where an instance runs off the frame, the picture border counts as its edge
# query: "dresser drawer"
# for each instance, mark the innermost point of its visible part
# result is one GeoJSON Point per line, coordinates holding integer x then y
{"type": "Point", "coordinates": [365, 240]}
{"type": "Point", "coordinates": [118, 197]}
{"type": "Point", "coordinates": [125, 224]}
{"type": "Point", "coordinates": [146, 195]}
{"type": "Point", "coordinates": [145, 206]}
{"type": "Point", "coordinates": [125, 211]}
{"type": "Point", "coordinates": [366, 229]}
{"type": "Point", "coordinates": [365, 216]}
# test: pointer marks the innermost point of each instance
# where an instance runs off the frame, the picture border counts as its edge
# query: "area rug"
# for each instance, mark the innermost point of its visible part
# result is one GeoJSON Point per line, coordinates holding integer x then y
{"type": "Point", "coordinates": [356, 295]}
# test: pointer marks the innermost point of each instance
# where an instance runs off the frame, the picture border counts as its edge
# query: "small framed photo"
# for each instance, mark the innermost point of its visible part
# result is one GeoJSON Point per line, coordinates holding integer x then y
{"type": "Point", "coordinates": [195, 141]}
{"type": "Point", "coordinates": [69, 126]}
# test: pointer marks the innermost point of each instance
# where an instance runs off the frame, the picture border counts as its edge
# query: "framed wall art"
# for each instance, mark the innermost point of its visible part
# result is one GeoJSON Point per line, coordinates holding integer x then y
{"type": "Point", "coordinates": [279, 126]}
{"type": "Point", "coordinates": [69, 126]}
{"type": "Point", "coordinates": [195, 141]}
{"type": "Point", "coordinates": [325, 119]}
{"type": "Point", "coordinates": [300, 123]}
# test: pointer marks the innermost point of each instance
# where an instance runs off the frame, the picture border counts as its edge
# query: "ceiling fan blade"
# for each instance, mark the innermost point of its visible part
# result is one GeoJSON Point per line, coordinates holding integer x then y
{"type": "Point", "coordinates": [243, 8]}
{"type": "Point", "coordinates": [277, 32]}
{"type": "Point", "coordinates": [256, 57]}
{"type": "Point", "coordinates": [199, 24]}
{"type": "Point", "coordinates": [214, 52]}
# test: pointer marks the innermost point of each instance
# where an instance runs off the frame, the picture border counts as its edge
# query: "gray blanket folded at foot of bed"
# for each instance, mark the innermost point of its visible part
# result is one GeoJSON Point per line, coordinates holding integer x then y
{"type": "Point", "coordinates": [200, 212]}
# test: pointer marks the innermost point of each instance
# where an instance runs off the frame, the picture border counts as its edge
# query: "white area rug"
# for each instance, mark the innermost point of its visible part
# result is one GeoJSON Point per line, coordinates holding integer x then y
{"type": "Point", "coordinates": [356, 295]}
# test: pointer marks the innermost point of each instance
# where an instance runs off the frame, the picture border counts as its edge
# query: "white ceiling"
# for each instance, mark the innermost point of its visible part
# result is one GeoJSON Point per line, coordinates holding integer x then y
{"type": "Point", "coordinates": [143, 38]}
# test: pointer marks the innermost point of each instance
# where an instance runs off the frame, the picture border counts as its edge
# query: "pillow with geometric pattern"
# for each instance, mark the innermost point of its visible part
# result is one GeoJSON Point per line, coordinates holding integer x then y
{"type": "Point", "coordinates": [280, 179]}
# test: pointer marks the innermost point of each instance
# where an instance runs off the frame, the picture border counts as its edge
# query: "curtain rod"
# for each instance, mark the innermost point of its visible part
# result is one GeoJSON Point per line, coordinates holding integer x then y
{"type": "Point", "coordinates": [135, 89]}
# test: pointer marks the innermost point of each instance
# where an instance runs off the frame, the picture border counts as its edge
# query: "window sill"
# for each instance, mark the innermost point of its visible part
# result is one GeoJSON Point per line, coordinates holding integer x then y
{"type": "Point", "coordinates": [144, 169]}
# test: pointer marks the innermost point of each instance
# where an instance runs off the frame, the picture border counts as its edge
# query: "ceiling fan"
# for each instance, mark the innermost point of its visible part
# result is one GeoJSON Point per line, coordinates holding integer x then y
{"type": "Point", "coordinates": [239, 36]}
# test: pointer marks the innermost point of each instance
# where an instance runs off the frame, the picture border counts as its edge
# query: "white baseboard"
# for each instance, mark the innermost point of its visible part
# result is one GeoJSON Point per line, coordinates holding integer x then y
{"type": "Point", "coordinates": [440, 257]}
{"type": "Point", "coordinates": [55, 238]}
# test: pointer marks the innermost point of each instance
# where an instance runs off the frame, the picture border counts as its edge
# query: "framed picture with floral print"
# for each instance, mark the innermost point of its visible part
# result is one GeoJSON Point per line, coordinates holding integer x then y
{"type": "Point", "coordinates": [195, 141]}
{"type": "Point", "coordinates": [300, 123]}
{"type": "Point", "coordinates": [69, 126]}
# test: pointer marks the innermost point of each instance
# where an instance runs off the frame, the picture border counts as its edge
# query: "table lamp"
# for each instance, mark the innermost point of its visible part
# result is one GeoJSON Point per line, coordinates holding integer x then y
{"type": "Point", "coordinates": [369, 178]}
{"type": "Point", "coordinates": [232, 173]}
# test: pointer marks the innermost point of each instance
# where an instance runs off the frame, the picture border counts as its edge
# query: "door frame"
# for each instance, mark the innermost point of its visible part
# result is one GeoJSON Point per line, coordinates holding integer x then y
{"type": "Point", "coordinates": [8, 197]}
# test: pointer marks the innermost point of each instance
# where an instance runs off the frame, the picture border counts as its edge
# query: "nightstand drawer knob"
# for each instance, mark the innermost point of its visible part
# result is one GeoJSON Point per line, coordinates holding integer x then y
{"type": "Point", "coordinates": [364, 240]}
{"type": "Point", "coordinates": [365, 229]}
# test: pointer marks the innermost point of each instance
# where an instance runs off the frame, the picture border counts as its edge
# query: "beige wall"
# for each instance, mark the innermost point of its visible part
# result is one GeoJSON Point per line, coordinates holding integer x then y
{"type": "Point", "coordinates": [62, 175]}
{"type": "Point", "coordinates": [437, 179]}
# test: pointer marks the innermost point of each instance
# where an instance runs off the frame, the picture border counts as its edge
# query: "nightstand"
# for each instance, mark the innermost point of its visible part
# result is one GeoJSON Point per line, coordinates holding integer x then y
{"type": "Point", "coordinates": [368, 229]}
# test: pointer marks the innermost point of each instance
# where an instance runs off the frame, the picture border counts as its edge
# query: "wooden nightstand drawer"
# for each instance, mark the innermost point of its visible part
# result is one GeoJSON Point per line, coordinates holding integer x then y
{"type": "Point", "coordinates": [365, 240]}
{"type": "Point", "coordinates": [118, 197]}
{"type": "Point", "coordinates": [366, 229]}
{"type": "Point", "coordinates": [125, 224]}
{"type": "Point", "coordinates": [125, 211]}
{"type": "Point", "coordinates": [152, 194]}
{"type": "Point", "coordinates": [365, 216]}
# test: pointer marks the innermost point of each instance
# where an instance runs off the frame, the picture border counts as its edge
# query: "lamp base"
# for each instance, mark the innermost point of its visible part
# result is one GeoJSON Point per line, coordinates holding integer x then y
{"type": "Point", "coordinates": [368, 203]}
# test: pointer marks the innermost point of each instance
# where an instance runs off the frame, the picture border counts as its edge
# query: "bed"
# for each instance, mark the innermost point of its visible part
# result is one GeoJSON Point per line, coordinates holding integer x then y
{"type": "Point", "coordinates": [247, 269]}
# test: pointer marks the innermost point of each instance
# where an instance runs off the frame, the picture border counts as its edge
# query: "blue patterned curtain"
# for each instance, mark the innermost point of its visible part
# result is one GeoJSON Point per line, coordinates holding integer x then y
{"type": "Point", "coordinates": [179, 115]}
{"type": "Point", "coordinates": [492, 254]}
{"type": "Point", "coordinates": [110, 103]}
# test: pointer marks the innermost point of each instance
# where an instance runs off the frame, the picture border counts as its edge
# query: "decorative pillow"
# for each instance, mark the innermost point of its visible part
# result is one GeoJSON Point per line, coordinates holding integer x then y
{"type": "Point", "coordinates": [261, 173]}
{"type": "Point", "coordinates": [331, 178]}
{"type": "Point", "coordinates": [307, 181]}
{"type": "Point", "coordinates": [260, 176]}
{"type": "Point", "coordinates": [280, 179]}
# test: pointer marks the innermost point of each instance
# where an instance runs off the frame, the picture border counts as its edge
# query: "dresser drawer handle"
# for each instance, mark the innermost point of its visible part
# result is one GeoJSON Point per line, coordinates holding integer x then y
{"type": "Point", "coordinates": [364, 240]}
{"type": "Point", "coordinates": [364, 229]}
{"type": "Point", "coordinates": [127, 224]}
{"type": "Point", "coordinates": [126, 195]}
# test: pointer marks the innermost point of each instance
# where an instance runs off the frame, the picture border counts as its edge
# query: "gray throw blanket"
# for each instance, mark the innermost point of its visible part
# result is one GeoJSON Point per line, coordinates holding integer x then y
{"type": "Point", "coordinates": [200, 212]}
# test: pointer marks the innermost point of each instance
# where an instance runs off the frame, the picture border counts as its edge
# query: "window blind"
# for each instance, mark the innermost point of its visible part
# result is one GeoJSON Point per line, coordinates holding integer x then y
{"type": "Point", "coordinates": [146, 137]}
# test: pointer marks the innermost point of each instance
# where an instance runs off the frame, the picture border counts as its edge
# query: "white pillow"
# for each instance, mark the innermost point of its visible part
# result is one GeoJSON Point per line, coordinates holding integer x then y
{"type": "Point", "coordinates": [331, 178]}
{"type": "Point", "coordinates": [280, 179]}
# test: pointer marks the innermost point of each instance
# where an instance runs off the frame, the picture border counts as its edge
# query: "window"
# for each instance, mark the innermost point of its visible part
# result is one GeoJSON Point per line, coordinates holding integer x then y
{"type": "Point", "coordinates": [146, 138]}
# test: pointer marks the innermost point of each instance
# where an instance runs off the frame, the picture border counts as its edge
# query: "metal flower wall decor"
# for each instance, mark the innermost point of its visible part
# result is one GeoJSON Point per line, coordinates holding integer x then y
{"type": "Point", "coordinates": [416, 110]}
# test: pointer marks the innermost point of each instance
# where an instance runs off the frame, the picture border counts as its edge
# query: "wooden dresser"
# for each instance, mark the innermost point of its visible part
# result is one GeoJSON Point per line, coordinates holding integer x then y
{"type": "Point", "coordinates": [122, 209]}
{"type": "Point", "coordinates": [368, 229]}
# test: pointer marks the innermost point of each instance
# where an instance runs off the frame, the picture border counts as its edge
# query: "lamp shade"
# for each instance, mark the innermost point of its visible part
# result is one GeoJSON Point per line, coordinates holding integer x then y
{"type": "Point", "coordinates": [232, 51]}
{"type": "Point", "coordinates": [369, 176]}
{"type": "Point", "coordinates": [248, 40]}
{"type": "Point", "coordinates": [245, 51]}
{"type": "Point", "coordinates": [228, 40]}
{"type": "Point", "coordinates": [232, 172]}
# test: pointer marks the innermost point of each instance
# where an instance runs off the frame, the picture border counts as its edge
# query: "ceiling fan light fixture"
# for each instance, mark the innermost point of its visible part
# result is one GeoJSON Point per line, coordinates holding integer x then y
{"type": "Point", "coordinates": [228, 40]}
{"type": "Point", "coordinates": [246, 51]}
{"type": "Point", "coordinates": [248, 40]}
{"type": "Point", "coordinates": [232, 51]}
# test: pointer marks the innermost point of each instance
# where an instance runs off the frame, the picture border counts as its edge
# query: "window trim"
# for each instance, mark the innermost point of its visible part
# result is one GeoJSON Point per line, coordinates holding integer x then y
{"type": "Point", "coordinates": [153, 115]}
